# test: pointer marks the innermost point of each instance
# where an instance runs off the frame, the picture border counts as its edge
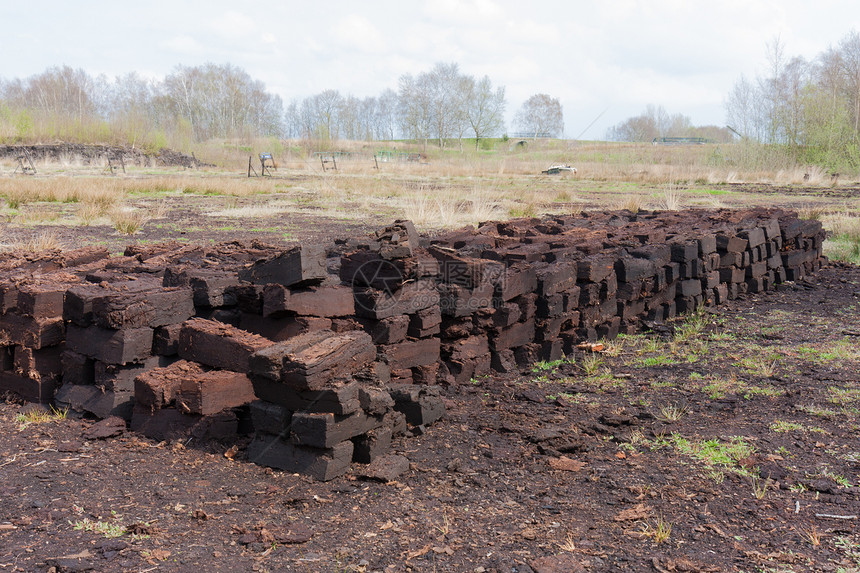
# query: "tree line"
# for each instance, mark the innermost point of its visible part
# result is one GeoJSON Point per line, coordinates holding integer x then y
{"type": "Point", "coordinates": [809, 107]}
{"type": "Point", "coordinates": [191, 104]}
{"type": "Point", "coordinates": [198, 103]}
{"type": "Point", "coordinates": [655, 122]}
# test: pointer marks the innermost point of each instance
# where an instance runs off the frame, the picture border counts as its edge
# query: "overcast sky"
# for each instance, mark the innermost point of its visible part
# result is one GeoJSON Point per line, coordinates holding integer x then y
{"type": "Point", "coordinates": [609, 57]}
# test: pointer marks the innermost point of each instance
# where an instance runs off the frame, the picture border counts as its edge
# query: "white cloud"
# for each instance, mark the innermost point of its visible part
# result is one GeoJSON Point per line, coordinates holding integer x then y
{"type": "Point", "coordinates": [182, 46]}
{"type": "Point", "coordinates": [233, 25]}
{"type": "Point", "coordinates": [356, 32]}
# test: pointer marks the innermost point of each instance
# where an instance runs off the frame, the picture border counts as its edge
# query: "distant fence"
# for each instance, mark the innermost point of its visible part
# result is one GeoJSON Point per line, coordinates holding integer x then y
{"type": "Point", "coordinates": [680, 141]}
{"type": "Point", "coordinates": [383, 156]}
{"type": "Point", "coordinates": [529, 135]}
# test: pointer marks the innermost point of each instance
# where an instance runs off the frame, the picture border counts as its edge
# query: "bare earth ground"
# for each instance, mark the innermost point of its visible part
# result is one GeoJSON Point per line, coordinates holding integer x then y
{"type": "Point", "coordinates": [726, 443]}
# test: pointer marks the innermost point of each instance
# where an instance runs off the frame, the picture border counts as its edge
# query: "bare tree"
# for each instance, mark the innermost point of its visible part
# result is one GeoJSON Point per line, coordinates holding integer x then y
{"type": "Point", "coordinates": [386, 115]}
{"type": "Point", "coordinates": [740, 108]}
{"type": "Point", "coordinates": [222, 101]}
{"type": "Point", "coordinates": [415, 107]}
{"type": "Point", "coordinates": [540, 114]}
{"type": "Point", "coordinates": [849, 50]}
{"type": "Point", "coordinates": [485, 108]}
{"type": "Point", "coordinates": [292, 120]}
{"type": "Point", "coordinates": [444, 84]}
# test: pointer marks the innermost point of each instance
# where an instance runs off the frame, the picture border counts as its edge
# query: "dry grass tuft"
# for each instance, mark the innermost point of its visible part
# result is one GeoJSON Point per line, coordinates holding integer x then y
{"type": "Point", "coordinates": [633, 202]}
{"type": "Point", "coordinates": [449, 209]}
{"type": "Point", "coordinates": [37, 215]}
{"type": "Point", "coordinates": [128, 221]}
{"type": "Point", "coordinates": [671, 198]}
{"type": "Point", "coordinates": [38, 243]}
{"type": "Point", "coordinates": [255, 211]}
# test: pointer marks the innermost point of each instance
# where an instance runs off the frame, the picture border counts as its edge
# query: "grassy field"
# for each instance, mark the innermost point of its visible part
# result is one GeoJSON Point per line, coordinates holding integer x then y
{"type": "Point", "coordinates": [444, 189]}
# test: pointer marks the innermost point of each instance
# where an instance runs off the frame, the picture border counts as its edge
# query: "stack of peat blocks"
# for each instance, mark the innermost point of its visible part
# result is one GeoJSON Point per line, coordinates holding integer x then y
{"type": "Point", "coordinates": [326, 354]}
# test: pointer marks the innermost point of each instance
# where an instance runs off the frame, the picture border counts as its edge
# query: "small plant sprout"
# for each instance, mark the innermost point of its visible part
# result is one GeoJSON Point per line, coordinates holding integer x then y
{"type": "Point", "coordinates": [760, 487]}
{"type": "Point", "coordinates": [716, 474]}
{"type": "Point", "coordinates": [445, 527]}
{"type": "Point", "coordinates": [810, 534]}
{"type": "Point", "coordinates": [671, 412]}
{"type": "Point", "coordinates": [568, 544]}
{"type": "Point", "coordinates": [591, 364]}
{"type": "Point", "coordinates": [659, 531]}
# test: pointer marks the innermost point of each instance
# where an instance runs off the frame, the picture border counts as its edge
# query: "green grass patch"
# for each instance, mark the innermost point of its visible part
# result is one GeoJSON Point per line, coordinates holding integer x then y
{"type": "Point", "coordinates": [659, 360]}
{"type": "Point", "coordinates": [784, 426]}
{"type": "Point", "coordinates": [107, 529]}
{"type": "Point", "coordinates": [34, 416]}
{"type": "Point", "coordinates": [714, 453]}
{"type": "Point", "coordinates": [843, 396]}
{"type": "Point", "coordinates": [550, 365]}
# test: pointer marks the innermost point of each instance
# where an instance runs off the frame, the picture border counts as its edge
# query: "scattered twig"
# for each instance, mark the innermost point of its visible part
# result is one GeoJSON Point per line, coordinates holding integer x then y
{"type": "Point", "coordinates": [835, 516]}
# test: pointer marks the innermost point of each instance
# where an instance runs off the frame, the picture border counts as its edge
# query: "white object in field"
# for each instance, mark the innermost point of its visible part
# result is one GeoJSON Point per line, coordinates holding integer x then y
{"type": "Point", "coordinates": [556, 169]}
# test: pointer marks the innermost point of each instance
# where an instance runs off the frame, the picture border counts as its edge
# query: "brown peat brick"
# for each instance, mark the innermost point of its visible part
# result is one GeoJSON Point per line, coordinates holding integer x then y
{"type": "Point", "coordinates": [269, 418]}
{"type": "Point", "coordinates": [467, 272]}
{"type": "Point", "coordinates": [32, 390]}
{"type": "Point", "coordinates": [40, 364]}
{"type": "Point", "coordinates": [95, 400]}
{"type": "Point", "coordinates": [219, 345]}
{"type": "Point", "coordinates": [120, 378]}
{"type": "Point", "coordinates": [165, 340]}
{"type": "Point", "coordinates": [77, 368]}
{"type": "Point", "coordinates": [110, 346]}
{"type": "Point", "coordinates": [630, 269]}
{"type": "Point", "coordinates": [339, 397]}
{"type": "Point", "coordinates": [42, 300]}
{"type": "Point", "coordinates": [731, 243]}
{"type": "Point", "coordinates": [557, 278]}
{"type": "Point", "coordinates": [466, 348]}
{"type": "Point", "coordinates": [324, 301]}
{"type": "Point", "coordinates": [595, 268]}
{"type": "Point", "coordinates": [325, 430]}
{"type": "Point", "coordinates": [311, 361]}
{"type": "Point", "coordinates": [458, 301]}
{"type": "Point", "coordinates": [388, 330]}
{"type": "Point", "coordinates": [298, 265]}
{"type": "Point", "coordinates": [422, 405]}
{"type": "Point", "coordinates": [371, 444]}
{"type": "Point", "coordinates": [173, 424]}
{"type": "Point", "coordinates": [8, 296]}
{"type": "Point", "coordinates": [157, 307]}
{"type": "Point", "coordinates": [322, 464]}
{"type": "Point", "coordinates": [513, 336]}
{"type": "Point", "coordinates": [210, 287]}
{"type": "Point", "coordinates": [157, 388]}
{"type": "Point", "coordinates": [210, 392]}
{"type": "Point", "coordinates": [409, 299]}
{"type": "Point", "coordinates": [411, 353]}
{"type": "Point", "coordinates": [79, 299]}
{"type": "Point", "coordinates": [280, 329]}
{"type": "Point", "coordinates": [426, 322]}
{"type": "Point", "coordinates": [31, 332]}
{"type": "Point", "coordinates": [518, 279]}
